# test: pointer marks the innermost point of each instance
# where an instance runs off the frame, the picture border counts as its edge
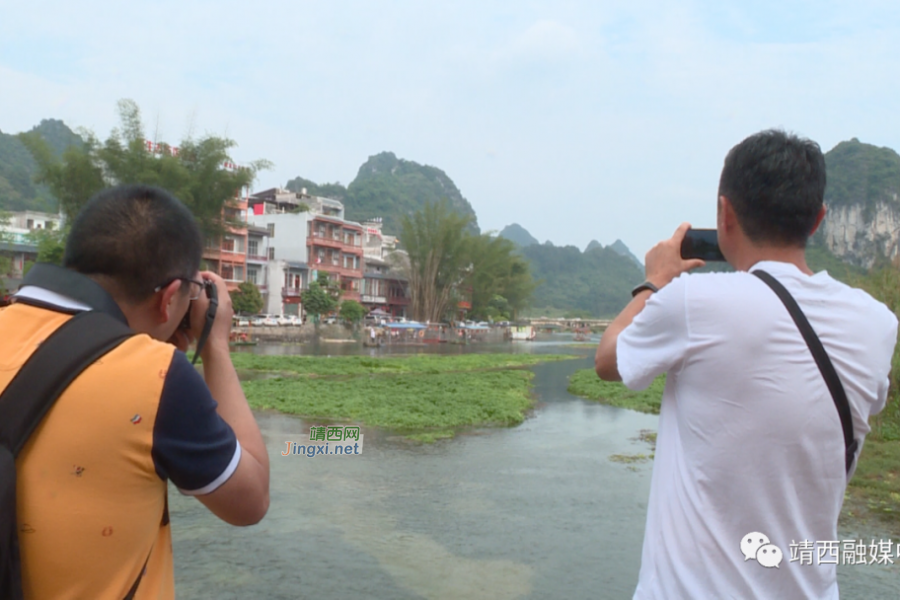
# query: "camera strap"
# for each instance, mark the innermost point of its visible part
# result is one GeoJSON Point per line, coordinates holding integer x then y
{"type": "Point", "coordinates": [824, 363]}
{"type": "Point", "coordinates": [213, 295]}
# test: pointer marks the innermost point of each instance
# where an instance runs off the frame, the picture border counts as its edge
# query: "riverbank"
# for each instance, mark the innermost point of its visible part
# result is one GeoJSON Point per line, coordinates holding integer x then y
{"type": "Point", "coordinates": [872, 499]}
{"type": "Point", "coordinates": [423, 397]}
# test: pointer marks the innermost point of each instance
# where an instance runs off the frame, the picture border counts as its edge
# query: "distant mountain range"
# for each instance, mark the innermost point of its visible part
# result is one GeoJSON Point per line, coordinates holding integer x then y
{"type": "Point", "coordinates": [595, 282]}
{"type": "Point", "coordinates": [861, 229]}
{"type": "Point", "coordinates": [391, 188]}
{"type": "Point", "coordinates": [17, 168]}
{"type": "Point", "coordinates": [518, 235]}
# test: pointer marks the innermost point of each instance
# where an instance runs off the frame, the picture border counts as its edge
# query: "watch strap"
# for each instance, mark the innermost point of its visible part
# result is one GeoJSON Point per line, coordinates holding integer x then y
{"type": "Point", "coordinates": [644, 286]}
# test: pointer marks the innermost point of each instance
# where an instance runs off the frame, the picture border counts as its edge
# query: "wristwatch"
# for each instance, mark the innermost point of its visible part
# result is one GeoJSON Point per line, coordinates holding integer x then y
{"type": "Point", "coordinates": [644, 286]}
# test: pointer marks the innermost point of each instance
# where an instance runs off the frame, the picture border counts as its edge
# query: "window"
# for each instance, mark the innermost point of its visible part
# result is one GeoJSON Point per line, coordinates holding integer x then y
{"type": "Point", "coordinates": [271, 228]}
{"type": "Point", "coordinates": [228, 245]}
{"type": "Point", "coordinates": [271, 253]}
{"type": "Point", "coordinates": [251, 274]}
{"type": "Point", "coordinates": [49, 225]}
{"type": "Point", "coordinates": [30, 224]}
{"type": "Point", "coordinates": [239, 273]}
{"type": "Point", "coordinates": [253, 248]}
{"type": "Point", "coordinates": [227, 272]}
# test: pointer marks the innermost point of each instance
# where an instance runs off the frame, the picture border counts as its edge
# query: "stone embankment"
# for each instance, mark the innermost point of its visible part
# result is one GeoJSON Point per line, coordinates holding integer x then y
{"type": "Point", "coordinates": [292, 333]}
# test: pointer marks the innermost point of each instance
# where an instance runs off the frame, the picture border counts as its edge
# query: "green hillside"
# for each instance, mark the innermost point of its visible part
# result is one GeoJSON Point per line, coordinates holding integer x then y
{"type": "Point", "coordinates": [391, 188]}
{"type": "Point", "coordinates": [17, 168]}
{"type": "Point", "coordinates": [862, 174]}
{"type": "Point", "coordinates": [328, 190]}
{"type": "Point", "coordinates": [597, 282]}
{"type": "Point", "coordinates": [518, 235]}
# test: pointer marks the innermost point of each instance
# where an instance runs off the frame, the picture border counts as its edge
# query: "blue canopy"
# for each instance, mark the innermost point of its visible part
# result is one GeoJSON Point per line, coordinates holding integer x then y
{"type": "Point", "coordinates": [410, 325]}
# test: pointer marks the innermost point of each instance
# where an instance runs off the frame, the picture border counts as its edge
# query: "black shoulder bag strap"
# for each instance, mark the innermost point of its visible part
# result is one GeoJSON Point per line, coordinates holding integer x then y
{"type": "Point", "coordinates": [59, 359]}
{"type": "Point", "coordinates": [825, 366]}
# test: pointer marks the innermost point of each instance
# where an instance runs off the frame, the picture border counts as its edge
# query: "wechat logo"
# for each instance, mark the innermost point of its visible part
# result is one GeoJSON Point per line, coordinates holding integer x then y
{"type": "Point", "coordinates": [756, 546]}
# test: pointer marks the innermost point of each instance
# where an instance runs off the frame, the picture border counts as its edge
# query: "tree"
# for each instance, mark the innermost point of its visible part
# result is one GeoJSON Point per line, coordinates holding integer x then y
{"type": "Point", "coordinates": [352, 311]}
{"type": "Point", "coordinates": [247, 299]}
{"type": "Point", "coordinates": [194, 171]}
{"type": "Point", "coordinates": [51, 245]}
{"type": "Point", "coordinates": [498, 309]}
{"type": "Point", "coordinates": [500, 281]}
{"type": "Point", "coordinates": [435, 239]}
{"type": "Point", "coordinates": [449, 262]}
{"type": "Point", "coordinates": [317, 301]}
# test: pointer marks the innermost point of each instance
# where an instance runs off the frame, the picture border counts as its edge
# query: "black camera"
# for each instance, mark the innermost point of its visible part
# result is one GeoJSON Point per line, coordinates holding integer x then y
{"type": "Point", "coordinates": [212, 293]}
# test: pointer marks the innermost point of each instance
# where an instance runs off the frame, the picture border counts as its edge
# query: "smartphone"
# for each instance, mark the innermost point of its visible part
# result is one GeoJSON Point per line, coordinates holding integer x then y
{"type": "Point", "coordinates": [702, 244]}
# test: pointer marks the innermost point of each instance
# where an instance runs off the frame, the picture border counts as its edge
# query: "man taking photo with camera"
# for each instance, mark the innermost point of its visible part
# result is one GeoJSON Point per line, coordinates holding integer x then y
{"type": "Point", "coordinates": [749, 438]}
{"type": "Point", "coordinates": [92, 478]}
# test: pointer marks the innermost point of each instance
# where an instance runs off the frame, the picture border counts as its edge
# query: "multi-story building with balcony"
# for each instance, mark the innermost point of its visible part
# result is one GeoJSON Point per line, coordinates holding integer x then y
{"type": "Point", "coordinates": [306, 235]}
{"type": "Point", "coordinates": [335, 247]}
{"type": "Point", "coordinates": [227, 255]}
{"type": "Point", "coordinates": [258, 259]}
{"type": "Point", "coordinates": [383, 284]}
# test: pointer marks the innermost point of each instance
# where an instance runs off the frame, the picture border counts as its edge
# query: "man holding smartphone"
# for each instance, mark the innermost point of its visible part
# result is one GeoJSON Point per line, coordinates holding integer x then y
{"type": "Point", "coordinates": [92, 480]}
{"type": "Point", "coordinates": [749, 439]}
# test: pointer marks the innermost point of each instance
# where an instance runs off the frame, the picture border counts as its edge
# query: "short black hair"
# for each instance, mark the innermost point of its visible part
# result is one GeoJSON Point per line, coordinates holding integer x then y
{"type": "Point", "coordinates": [776, 184]}
{"type": "Point", "coordinates": [139, 236]}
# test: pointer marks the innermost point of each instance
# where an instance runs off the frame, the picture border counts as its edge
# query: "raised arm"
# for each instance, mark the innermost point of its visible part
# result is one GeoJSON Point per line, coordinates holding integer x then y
{"type": "Point", "coordinates": [244, 498]}
{"type": "Point", "coordinates": [662, 264]}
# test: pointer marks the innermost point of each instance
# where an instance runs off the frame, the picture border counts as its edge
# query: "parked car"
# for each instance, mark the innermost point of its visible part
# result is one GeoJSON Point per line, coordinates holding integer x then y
{"type": "Point", "coordinates": [241, 321]}
{"type": "Point", "coordinates": [269, 320]}
{"type": "Point", "coordinates": [295, 320]}
{"type": "Point", "coordinates": [257, 320]}
{"type": "Point", "coordinates": [283, 319]}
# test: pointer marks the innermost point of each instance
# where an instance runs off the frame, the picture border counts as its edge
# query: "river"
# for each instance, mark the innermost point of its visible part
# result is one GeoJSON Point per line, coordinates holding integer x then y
{"type": "Point", "coordinates": [536, 511]}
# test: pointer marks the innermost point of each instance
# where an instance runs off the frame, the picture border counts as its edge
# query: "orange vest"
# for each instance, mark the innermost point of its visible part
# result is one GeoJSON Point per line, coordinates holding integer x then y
{"type": "Point", "coordinates": [89, 500]}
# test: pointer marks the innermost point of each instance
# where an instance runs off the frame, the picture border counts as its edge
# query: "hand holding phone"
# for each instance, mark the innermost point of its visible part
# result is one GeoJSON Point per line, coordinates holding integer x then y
{"type": "Point", "coordinates": [702, 244]}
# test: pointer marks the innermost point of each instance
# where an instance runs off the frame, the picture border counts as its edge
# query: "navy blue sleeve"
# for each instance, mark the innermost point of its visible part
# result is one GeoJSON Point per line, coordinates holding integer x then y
{"type": "Point", "coordinates": [192, 445]}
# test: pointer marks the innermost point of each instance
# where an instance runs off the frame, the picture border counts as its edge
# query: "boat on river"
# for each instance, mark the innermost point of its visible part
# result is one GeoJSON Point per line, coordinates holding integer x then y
{"type": "Point", "coordinates": [522, 333]}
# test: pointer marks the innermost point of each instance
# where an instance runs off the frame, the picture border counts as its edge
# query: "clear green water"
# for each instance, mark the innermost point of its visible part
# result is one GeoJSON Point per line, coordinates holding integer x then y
{"type": "Point", "coordinates": [537, 511]}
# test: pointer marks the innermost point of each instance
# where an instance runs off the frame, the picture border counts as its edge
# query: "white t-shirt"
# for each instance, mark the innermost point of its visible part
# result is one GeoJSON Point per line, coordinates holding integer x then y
{"type": "Point", "coordinates": [749, 438]}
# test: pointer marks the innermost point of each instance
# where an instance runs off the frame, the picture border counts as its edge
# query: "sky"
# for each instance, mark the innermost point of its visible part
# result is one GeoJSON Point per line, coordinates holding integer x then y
{"type": "Point", "coordinates": [579, 120]}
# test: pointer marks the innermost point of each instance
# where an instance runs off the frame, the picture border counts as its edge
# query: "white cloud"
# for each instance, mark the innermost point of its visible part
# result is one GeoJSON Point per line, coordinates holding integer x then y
{"type": "Point", "coordinates": [601, 119]}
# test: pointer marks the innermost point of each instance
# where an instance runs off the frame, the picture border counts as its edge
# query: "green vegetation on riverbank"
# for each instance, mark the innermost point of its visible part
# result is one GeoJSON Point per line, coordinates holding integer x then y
{"type": "Point", "coordinates": [586, 384]}
{"type": "Point", "coordinates": [874, 491]}
{"type": "Point", "coordinates": [425, 397]}
{"type": "Point", "coordinates": [318, 366]}
{"type": "Point", "coordinates": [873, 495]}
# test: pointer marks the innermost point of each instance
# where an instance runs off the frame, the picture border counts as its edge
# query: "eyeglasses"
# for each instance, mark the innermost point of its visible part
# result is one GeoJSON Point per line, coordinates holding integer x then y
{"type": "Point", "coordinates": [196, 287]}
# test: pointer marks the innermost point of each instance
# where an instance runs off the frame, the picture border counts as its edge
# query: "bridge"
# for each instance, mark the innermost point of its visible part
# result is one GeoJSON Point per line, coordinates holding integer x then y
{"type": "Point", "coordinates": [570, 324]}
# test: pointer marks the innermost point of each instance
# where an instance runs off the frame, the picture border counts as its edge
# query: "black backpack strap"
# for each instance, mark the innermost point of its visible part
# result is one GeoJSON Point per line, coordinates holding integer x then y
{"type": "Point", "coordinates": [825, 366]}
{"type": "Point", "coordinates": [59, 359]}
